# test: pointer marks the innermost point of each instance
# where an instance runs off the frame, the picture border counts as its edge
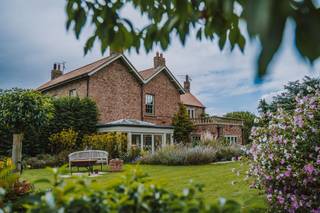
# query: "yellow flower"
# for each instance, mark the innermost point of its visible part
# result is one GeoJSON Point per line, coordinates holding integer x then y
{"type": "Point", "coordinates": [1, 164]}
{"type": "Point", "coordinates": [9, 162]}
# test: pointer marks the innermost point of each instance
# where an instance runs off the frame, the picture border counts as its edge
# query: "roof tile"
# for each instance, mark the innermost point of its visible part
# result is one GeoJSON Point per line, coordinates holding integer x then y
{"type": "Point", "coordinates": [191, 100]}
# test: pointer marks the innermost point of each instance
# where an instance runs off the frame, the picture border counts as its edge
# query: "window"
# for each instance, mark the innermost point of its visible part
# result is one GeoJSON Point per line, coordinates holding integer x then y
{"type": "Point", "coordinates": [191, 113]}
{"type": "Point", "coordinates": [195, 138]}
{"type": "Point", "coordinates": [231, 139]}
{"type": "Point", "coordinates": [150, 104]}
{"type": "Point", "coordinates": [147, 143]}
{"type": "Point", "coordinates": [73, 93]}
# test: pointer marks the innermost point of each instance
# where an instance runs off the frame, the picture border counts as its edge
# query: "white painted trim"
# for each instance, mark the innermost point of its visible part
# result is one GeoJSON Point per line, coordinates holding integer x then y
{"type": "Point", "coordinates": [135, 130]}
{"type": "Point", "coordinates": [114, 59]}
{"type": "Point", "coordinates": [170, 74]}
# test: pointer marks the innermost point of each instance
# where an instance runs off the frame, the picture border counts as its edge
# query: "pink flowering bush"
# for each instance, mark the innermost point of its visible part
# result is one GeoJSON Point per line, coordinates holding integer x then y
{"type": "Point", "coordinates": [286, 156]}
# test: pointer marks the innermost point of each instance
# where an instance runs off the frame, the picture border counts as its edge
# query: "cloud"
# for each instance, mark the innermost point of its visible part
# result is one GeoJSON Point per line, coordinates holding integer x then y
{"type": "Point", "coordinates": [269, 96]}
{"type": "Point", "coordinates": [34, 37]}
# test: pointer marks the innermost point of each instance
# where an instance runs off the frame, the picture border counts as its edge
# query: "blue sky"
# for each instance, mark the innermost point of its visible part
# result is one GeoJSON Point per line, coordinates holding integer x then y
{"type": "Point", "coordinates": [33, 37]}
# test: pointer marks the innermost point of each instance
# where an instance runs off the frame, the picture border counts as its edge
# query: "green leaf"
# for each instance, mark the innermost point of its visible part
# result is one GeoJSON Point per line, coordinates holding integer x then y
{"type": "Point", "coordinates": [89, 44]}
{"type": "Point", "coordinates": [222, 41]}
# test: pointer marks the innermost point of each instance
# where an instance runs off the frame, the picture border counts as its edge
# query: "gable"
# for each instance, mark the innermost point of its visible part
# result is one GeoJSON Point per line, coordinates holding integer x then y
{"type": "Point", "coordinates": [88, 70]}
{"type": "Point", "coordinates": [152, 73]}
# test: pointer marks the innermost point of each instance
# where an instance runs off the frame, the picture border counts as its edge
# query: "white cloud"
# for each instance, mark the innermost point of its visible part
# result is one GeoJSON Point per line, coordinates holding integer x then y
{"type": "Point", "coordinates": [39, 28]}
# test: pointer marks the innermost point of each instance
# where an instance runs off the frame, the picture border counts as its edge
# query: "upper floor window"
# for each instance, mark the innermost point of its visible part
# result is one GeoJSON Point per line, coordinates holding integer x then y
{"type": "Point", "coordinates": [191, 113]}
{"type": "Point", "coordinates": [73, 93]}
{"type": "Point", "coordinates": [150, 104]}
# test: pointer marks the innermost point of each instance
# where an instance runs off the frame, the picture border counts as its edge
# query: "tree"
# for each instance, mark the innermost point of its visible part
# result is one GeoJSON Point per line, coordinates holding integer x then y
{"type": "Point", "coordinates": [81, 115]}
{"type": "Point", "coordinates": [210, 19]}
{"type": "Point", "coordinates": [286, 100]}
{"type": "Point", "coordinates": [248, 119]}
{"type": "Point", "coordinates": [21, 110]}
{"type": "Point", "coordinates": [183, 126]}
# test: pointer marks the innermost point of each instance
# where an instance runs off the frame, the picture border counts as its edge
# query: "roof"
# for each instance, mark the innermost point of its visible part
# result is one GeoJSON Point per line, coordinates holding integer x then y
{"type": "Point", "coordinates": [87, 70]}
{"type": "Point", "coordinates": [133, 123]}
{"type": "Point", "coordinates": [75, 73]}
{"type": "Point", "coordinates": [144, 76]}
{"type": "Point", "coordinates": [190, 100]}
{"type": "Point", "coordinates": [147, 73]}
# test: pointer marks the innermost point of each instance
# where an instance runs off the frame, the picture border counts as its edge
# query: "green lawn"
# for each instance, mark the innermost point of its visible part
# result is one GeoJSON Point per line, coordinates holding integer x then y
{"type": "Point", "coordinates": [217, 179]}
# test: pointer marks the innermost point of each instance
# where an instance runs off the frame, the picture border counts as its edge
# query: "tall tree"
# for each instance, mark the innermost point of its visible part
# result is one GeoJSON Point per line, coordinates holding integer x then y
{"type": "Point", "coordinates": [248, 119]}
{"type": "Point", "coordinates": [21, 110]}
{"type": "Point", "coordinates": [182, 124]}
{"type": "Point", "coordinates": [286, 100]}
{"type": "Point", "coordinates": [210, 19]}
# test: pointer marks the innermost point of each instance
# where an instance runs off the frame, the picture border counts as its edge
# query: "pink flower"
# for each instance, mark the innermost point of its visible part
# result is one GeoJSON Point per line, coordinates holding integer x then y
{"type": "Point", "coordinates": [280, 199]}
{"type": "Point", "coordinates": [318, 161]}
{"type": "Point", "coordinates": [287, 173]}
{"type": "Point", "coordinates": [309, 168]}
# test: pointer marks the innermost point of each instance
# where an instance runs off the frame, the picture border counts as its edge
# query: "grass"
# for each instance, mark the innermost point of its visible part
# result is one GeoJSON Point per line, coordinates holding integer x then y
{"type": "Point", "coordinates": [217, 179]}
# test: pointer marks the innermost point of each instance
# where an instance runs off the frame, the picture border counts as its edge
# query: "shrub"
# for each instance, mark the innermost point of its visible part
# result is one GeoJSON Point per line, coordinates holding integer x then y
{"type": "Point", "coordinates": [181, 155]}
{"type": "Point", "coordinates": [63, 141]}
{"type": "Point", "coordinates": [9, 182]}
{"type": "Point", "coordinates": [286, 156]}
{"type": "Point", "coordinates": [114, 143]}
{"type": "Point", "coordinates": [42, 161]}
{"type": "Point", "coordinates": [132, 194]}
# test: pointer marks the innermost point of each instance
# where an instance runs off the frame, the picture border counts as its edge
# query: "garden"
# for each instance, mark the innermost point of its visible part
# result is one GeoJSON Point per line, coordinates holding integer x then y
{"type": "Point", "coordinates": [276, 171]}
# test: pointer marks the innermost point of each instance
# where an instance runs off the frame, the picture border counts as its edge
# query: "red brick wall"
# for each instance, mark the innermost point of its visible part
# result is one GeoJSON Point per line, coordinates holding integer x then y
{"type": "Point", "coordinates": [79, 85]}
{"type": "Point", "coordinates": [117, 93]}
{"type": "Point", "coordinates": [167, 99]}
{"type": "Point", "coordinates": [207, 130]}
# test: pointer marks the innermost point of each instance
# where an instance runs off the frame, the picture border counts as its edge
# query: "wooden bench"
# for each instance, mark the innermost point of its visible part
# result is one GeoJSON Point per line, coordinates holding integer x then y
{"type": "Point", "coordinates": [88, 159]}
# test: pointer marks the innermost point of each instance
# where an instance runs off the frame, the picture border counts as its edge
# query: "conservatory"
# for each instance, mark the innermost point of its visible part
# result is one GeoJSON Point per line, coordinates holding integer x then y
{"type": "Point", "coordinates": [140, 134]}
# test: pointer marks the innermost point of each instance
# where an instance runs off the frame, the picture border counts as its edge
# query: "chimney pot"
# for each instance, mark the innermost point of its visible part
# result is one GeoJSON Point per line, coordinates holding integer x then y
{"type": "Point", "coordinates": [56, 72]}
{"type": "Point", "coordinates": [158, 60]}
{"type": "Point", "coordinates": [186, 84]}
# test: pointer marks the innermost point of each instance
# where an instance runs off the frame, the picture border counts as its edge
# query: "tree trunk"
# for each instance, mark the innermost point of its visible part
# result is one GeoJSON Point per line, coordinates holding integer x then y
{"type": "Point", "coordinates": [17, 151]}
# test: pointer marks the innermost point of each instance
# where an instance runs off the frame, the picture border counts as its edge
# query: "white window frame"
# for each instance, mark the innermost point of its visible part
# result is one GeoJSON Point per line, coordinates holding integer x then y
{"type": "Point", "coordinates": [191, 112]}
{"type": "Point", "coordinates": [147, 104]}
{"type": "Point", "coordinates": [73, 93]}
{"type": "Point", "coordinates": [232, 139]}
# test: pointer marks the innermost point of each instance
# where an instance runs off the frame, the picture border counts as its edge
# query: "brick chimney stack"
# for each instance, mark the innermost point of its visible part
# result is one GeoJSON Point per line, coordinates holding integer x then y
{"type": "Point", "coordinates": [186, 84]}
{"type": "Point", "coordinates": [56, 71]}
{"type": "Point", "coordinates": [159, 60]}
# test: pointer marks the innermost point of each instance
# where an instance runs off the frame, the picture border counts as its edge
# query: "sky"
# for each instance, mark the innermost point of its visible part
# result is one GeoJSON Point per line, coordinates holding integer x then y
{"type": "Point", "coordinates": [33, 37]}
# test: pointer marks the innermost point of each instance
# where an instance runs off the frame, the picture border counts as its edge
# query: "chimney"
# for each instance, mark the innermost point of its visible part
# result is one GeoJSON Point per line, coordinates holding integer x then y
{"type": "Point", "coordinates": [56, 71]}
{"type": "Point", "coordinates": [159, 60]}
{"type": "Point", "coordinates": [186, 84]}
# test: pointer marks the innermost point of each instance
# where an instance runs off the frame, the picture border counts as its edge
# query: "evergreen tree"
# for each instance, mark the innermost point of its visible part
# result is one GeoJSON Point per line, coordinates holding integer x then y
{"type": "Point", "coordinates": [183, 126]}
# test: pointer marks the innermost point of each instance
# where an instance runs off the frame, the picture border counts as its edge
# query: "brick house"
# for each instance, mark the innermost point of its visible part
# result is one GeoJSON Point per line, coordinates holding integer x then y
{"type": "Point", "coordinates": [139, 103]}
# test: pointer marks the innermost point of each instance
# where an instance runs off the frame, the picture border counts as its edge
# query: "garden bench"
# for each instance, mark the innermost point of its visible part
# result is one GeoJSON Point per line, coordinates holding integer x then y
{"type": "Point", "coordinates": [88, 158]}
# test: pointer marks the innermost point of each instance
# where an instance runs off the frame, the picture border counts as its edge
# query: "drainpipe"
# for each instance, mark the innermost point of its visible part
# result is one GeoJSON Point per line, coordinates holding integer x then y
{"type": "Point", "coordinates": [141, 101]}
{"type": "Point", "coordinates": [88, 86]}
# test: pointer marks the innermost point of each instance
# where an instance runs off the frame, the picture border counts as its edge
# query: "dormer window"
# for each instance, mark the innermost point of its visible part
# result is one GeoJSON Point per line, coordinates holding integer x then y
{"type": "Point", "coordinates": [150, 104]}
{"type": "Point", "coordinates": [73, 93]}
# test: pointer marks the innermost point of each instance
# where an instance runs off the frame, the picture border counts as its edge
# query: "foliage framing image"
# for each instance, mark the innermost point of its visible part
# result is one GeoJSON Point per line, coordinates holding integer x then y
{"type": "Point", "coordinates": [210, 20]}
